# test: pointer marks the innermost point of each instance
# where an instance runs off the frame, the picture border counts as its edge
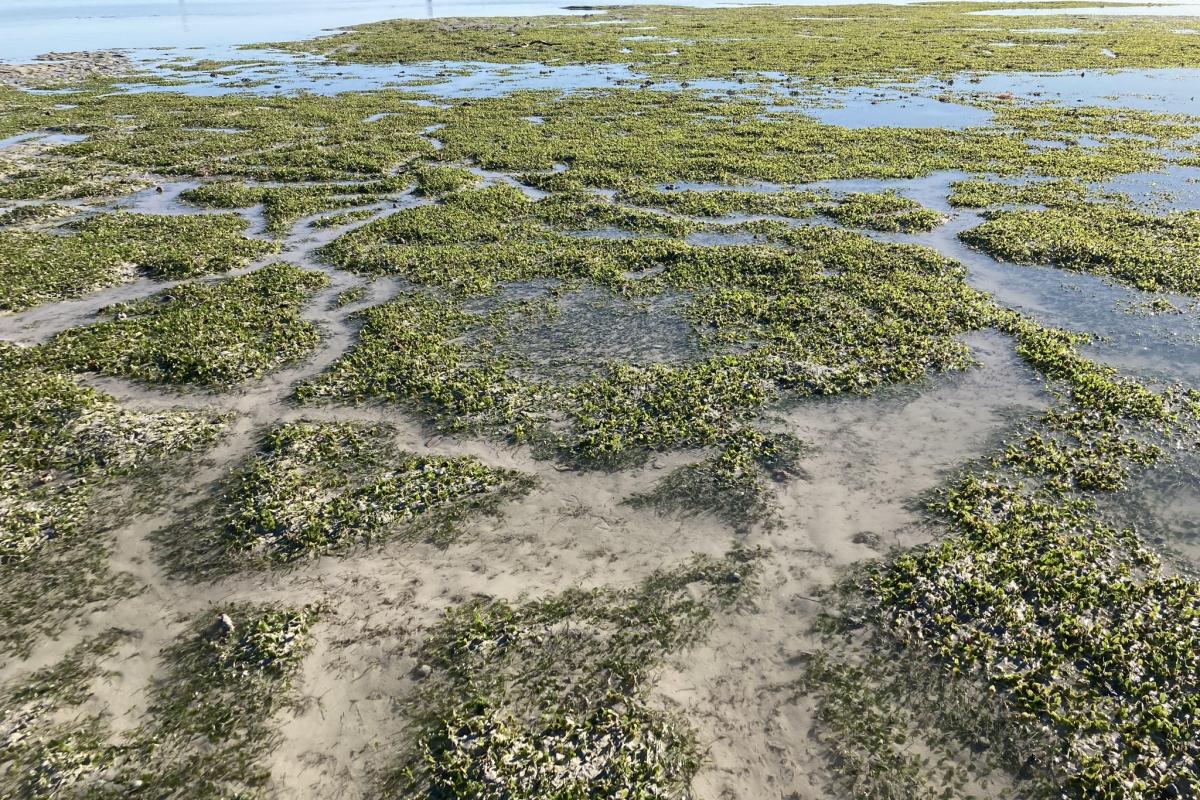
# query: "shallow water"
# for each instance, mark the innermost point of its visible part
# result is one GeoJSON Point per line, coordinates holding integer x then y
{"type": "Point", "coordinates": [1163, 347]}
{"type": "Point", "coordinates": [578, 333]}
{"type": "Point", "coordinates": [921, 103]}
{"type": "Point", "coordinates": [887, 107]}
{"type": "Point", "coordinates": [925, 103]}
{"type": "Point", "coordinates": [42, 138]}
{"type": "Point", "coordinates": [281, 74]}
{"type": "Point", "coordinates": [1163, 506]}
{"type": "Point", "coordinates": [929, 102]}
{"type": "Point", "coordinates": [1164, 90]}
{"type": "Point", "coordinates": [1177, 189]}
{"type": "Point", "coordinates": [1158, 347]}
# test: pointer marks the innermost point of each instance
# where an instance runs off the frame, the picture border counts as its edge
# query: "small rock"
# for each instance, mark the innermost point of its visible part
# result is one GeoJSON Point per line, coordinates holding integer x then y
{"type": "Point", "coordinates": [868, 538]}
{"type": "Point", "coordinates": [422, 671]}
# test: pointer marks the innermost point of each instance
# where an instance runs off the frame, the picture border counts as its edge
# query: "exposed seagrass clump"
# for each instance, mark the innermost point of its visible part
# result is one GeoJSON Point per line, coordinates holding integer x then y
{"type": "Point", "coordinates": [213, 335]}
{"type": "Point", "coordinates": [42, 754]}
{"type": "Point", "coordinates": [284, 205]}
{"type": "Point", "coordinates": [317, 488]}
{"type": "Point", "coordinates": [329, 488]}
{"type": "Point", "coordinates": [1153, 253]}
{"type": "Point", "coordinates": [548, 698]}
{"type": "Point", "coordinates": [824, 312]}
{"type": "Point", "coordinates": [886, 211]}
{"type": "Point", "coordinates": [35, 214]}
{"type": "Point", "coordinates": [892, 725]}
{"type": "Point", "coordinates": [207, 729]}
{"type": "Point", "coordinates": [58, 183]}
{"type": "Point", "coordinates": [63, 449]}
{"type": "Point", "coordinates": [734, 484]}
{"type": "Point", "coordinates": [343, 218]}
{"type": "Point", "coordinates": [1052, 193]}
{"type": "Point", "coordinates": [107, 249]}
{"type": "Point", "coordinates": [1074, 624]}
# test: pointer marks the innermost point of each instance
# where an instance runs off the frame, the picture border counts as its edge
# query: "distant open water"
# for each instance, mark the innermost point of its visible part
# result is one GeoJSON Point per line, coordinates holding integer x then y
{"type": "Point", "coordinates": [31, 27]}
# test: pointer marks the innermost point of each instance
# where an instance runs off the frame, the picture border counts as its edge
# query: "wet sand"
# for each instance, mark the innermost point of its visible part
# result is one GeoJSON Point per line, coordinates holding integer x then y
{"type": "Point", "coordinates": [872, 460]}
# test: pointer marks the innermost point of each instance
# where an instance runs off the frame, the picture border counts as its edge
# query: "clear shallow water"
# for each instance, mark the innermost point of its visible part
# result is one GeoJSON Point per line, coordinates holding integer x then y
{"type": "Point", "coordinates": [928, 102]}
{"type": "Point", "coordinates": [1161, 347]}
{"type": "Point", "coordinates": [1163, 505]}
{"type": "Point", "coordinates": [280, 74]}
{"type": "Point", "coordinates": [283, 74]}
{"type": "Point", "coordinates": [590, 327]}
{"type": "Point", "coordinates": [917, 105]}
{"type": "Point", "coordinates": [156, 32]}
{"type": "Point", "coordinates": [42, 137]}
{"type": "Point", "coordinates": [1178, 189]}
{"type": "Point", "coordinates": [275, 73]}
{"type": "Point", "coordinates": [1163, 90]}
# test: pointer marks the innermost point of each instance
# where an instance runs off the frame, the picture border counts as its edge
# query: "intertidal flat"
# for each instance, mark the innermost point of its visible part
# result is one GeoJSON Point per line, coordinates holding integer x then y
{"type": "Point", "coordinates": [643, 402]}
